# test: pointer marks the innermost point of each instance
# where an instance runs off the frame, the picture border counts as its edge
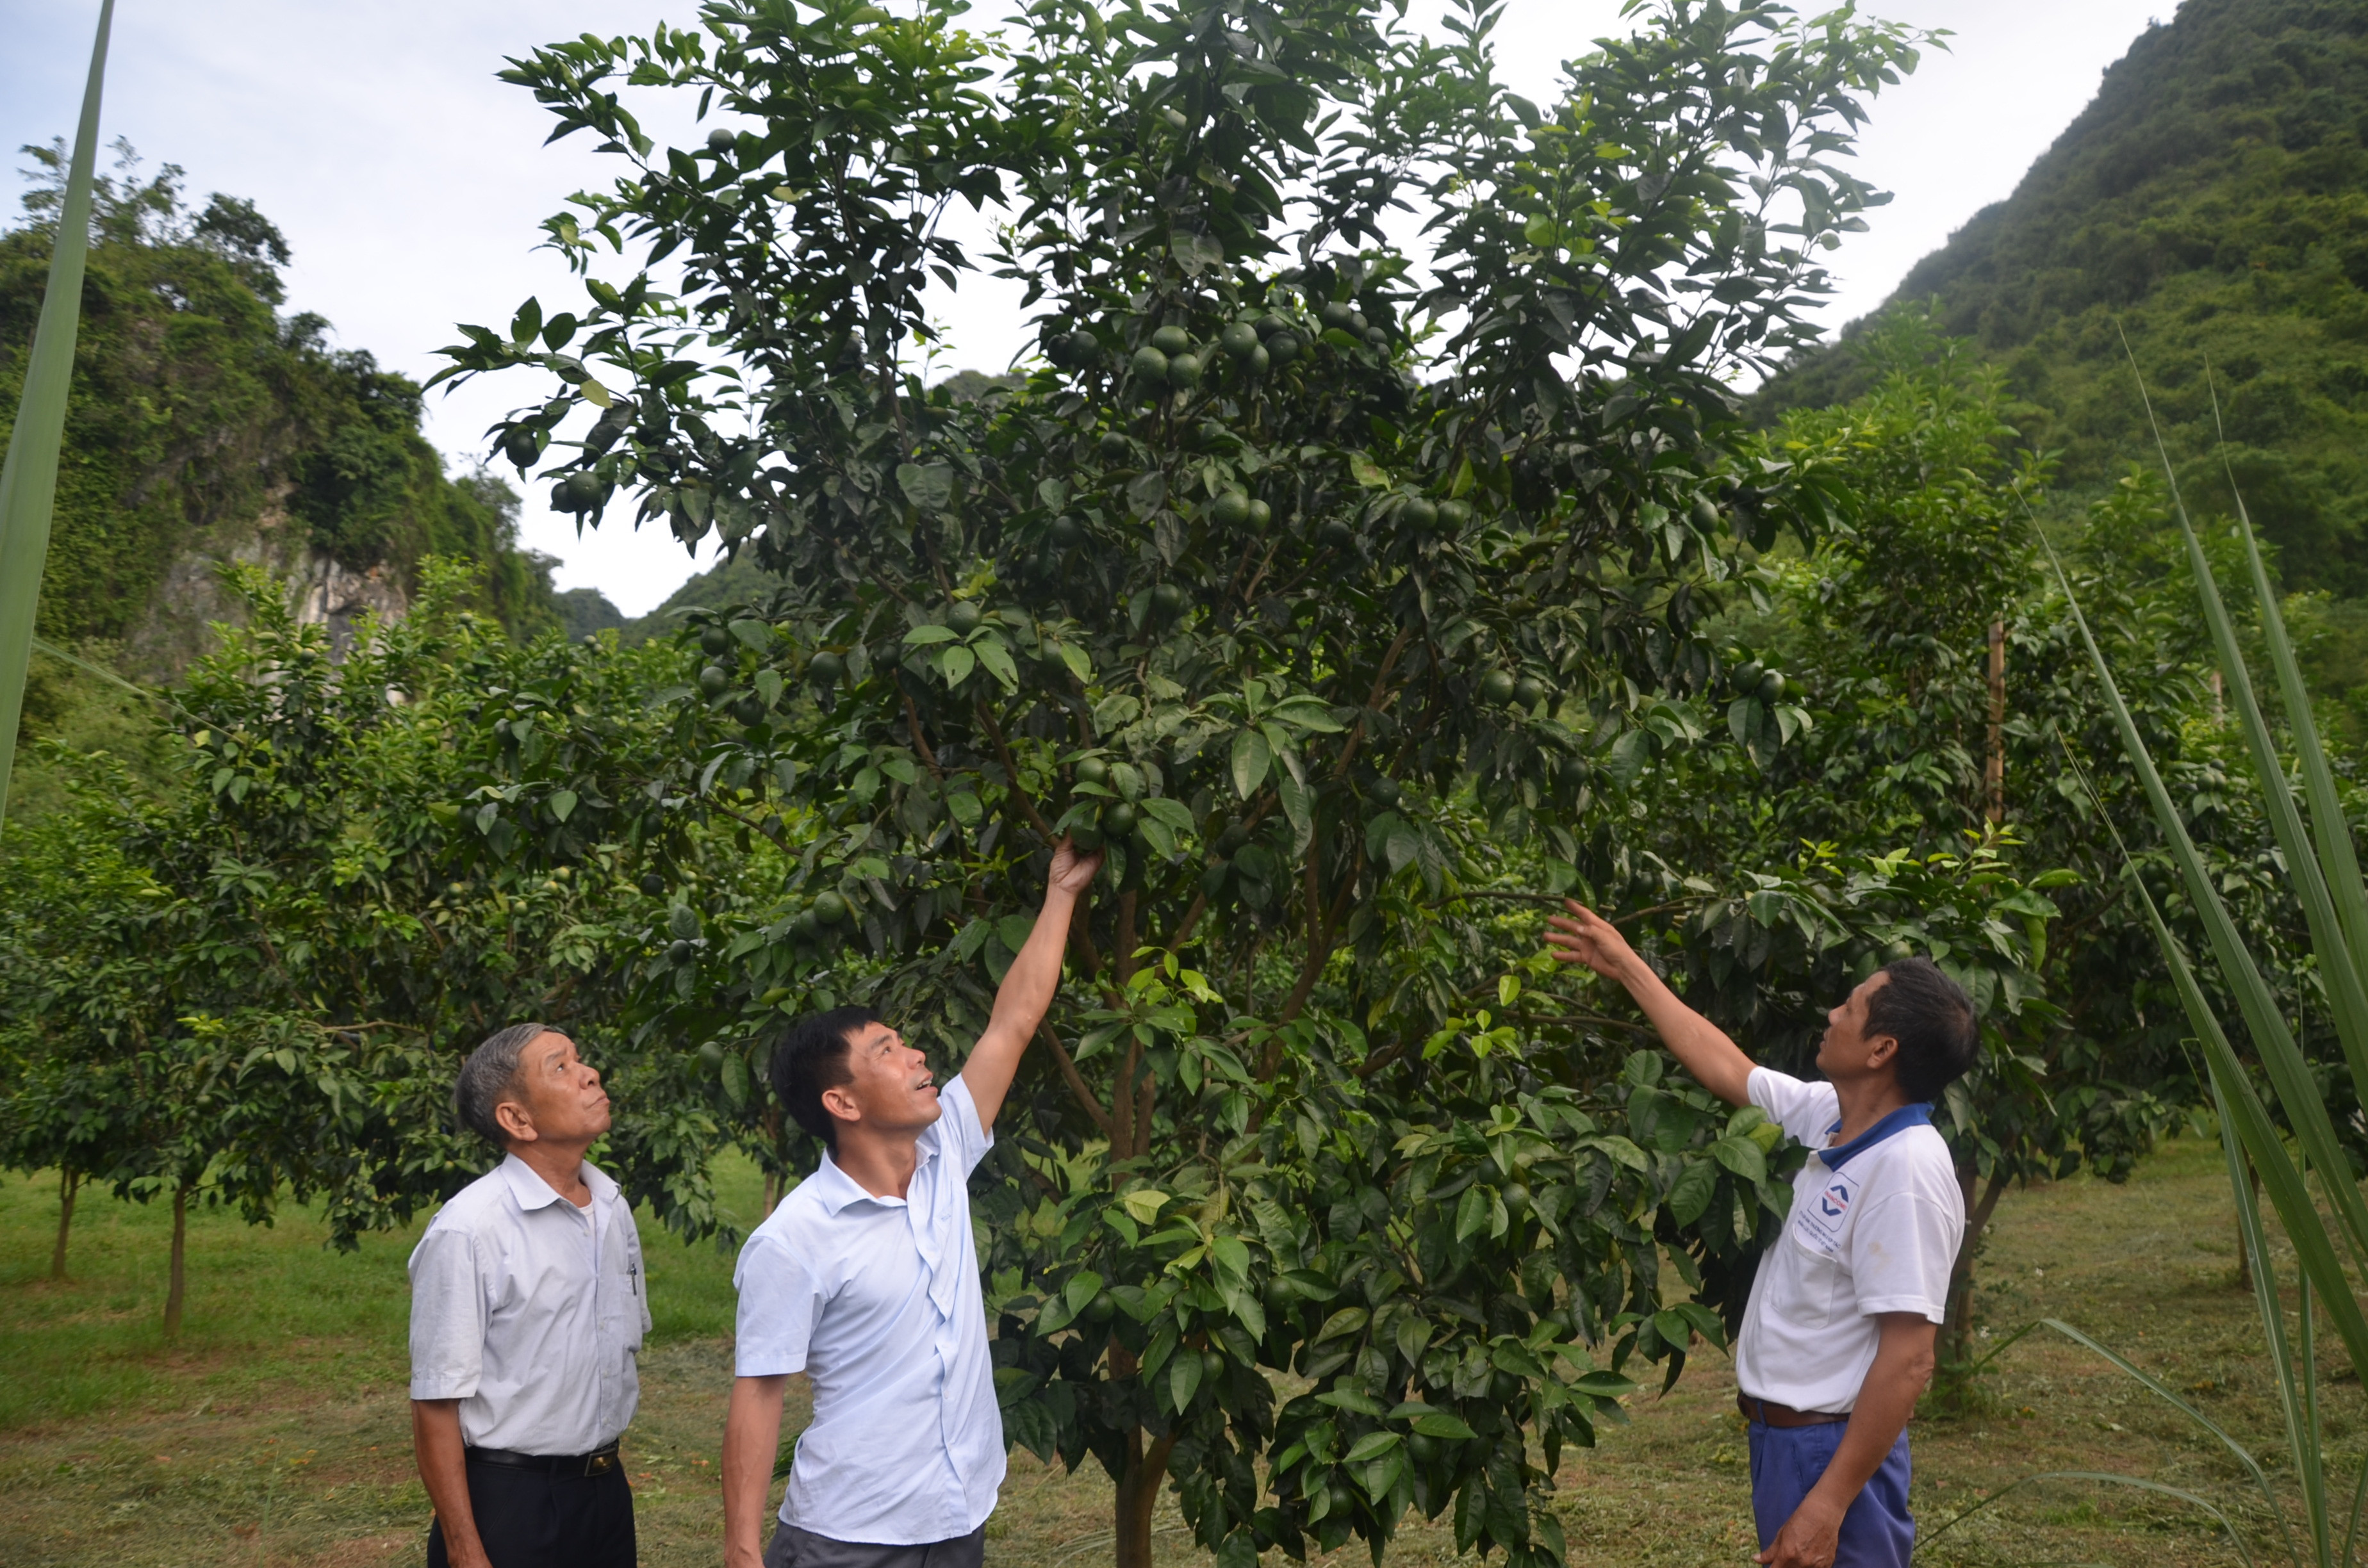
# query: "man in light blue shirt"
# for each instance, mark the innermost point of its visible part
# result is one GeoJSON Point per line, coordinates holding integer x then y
{"type": "Point", "coordinates": [866, 1279]}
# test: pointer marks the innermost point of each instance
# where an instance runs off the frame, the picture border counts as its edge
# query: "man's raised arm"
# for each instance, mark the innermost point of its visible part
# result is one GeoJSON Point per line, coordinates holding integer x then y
{"type": "Point", "coordinates": [1717, 1062]}
{"type": "Point", "coordinates": [1028, 985]}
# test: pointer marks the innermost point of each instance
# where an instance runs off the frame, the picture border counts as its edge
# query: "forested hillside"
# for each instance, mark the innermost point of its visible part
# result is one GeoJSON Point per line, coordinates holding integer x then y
{"type": "Point", "coordinates": [2212, 202]}
{"type": "Point", "coordinates": [207, 426]}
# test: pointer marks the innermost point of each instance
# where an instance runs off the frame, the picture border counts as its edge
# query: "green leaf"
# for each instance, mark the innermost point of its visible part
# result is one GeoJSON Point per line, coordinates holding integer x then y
{"type": "Point", "coordinates": [929, 486]}
{"type": "Point", "coordinates": [1196, 253]}
{"type": "Point", "coordinates": [1252, 758]}
{"type": "Point", "coordinates": [1183, 1380]}
{"type": "Point", "coordinates": [1371, 1445]}
{"type": "Point", "coordinates": [1348, 1320]}
{"type": "Point", "coordinates": [1742, 1156]}
{"type": "Point", "coordinates": [1145, 1203]}
{"type": "Point", "coordinates": [921, 636]}
{"type": "Point", "coordinates": [1443, 1424]}
{"type": "Point", "coordinates": [563, 803]}
{"type": "Point", "coordinates": [1309, 713]}
{"type": "Point", "coordinates": [1173, 812]}
{"type": "Point", "coordinates": [998, 660]}
{"type": "Point", "coordinates": [1693, 1191]}
{"type": "Point", "coordinates": [1351, 1399]}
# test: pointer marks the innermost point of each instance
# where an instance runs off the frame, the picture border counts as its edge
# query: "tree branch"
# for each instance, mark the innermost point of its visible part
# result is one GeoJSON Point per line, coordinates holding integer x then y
{"type": "Point", "coordinates": [1011, 776]}
{"type": "Point", "coordinates": [1075, 1079]}
{"type": "Point", "coordinates": [1372, 702]}
{"type": "Point", "coordinates": [920, 741]}
{"type": "Point", "coordinates": [1199, 907]}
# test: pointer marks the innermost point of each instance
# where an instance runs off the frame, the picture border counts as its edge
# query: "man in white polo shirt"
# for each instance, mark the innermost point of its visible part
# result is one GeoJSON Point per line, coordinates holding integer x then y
{"type": "Point", "coordinates": [528, 1308]}
{"type": "Point", "coordinates": [866, 1279]}
{"type": "Point", "coordinates": [1837, 1341]}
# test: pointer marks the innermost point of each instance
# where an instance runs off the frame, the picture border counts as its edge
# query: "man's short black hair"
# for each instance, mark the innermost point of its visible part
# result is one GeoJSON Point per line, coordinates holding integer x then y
{"type": "Point", "coordinates": [1932, 1019]}
{"type": "Point", "coordinates": [812, 1057]}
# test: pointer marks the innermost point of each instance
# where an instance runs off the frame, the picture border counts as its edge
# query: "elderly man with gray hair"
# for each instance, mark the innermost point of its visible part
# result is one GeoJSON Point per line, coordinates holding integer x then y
{"type": "Point", "coordinates": [528, 1306]}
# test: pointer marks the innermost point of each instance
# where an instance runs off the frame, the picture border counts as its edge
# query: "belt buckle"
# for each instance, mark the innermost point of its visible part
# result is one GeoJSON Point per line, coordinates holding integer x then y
{"type": "Point", "coordinates": [600, 1464]}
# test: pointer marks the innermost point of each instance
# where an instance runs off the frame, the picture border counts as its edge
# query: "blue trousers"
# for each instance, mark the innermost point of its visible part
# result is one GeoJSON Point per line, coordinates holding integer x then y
{"type": "Point", "coordinates": [1787, 1460]}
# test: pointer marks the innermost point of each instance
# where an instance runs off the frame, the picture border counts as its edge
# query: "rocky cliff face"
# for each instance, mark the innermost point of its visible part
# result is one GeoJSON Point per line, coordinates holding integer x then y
{"type": "Point", "coordinates": [205, 427]}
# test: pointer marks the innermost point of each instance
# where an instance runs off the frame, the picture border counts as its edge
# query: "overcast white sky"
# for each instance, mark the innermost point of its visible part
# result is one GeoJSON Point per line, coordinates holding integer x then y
{"type": "Point", "coordinates": [409, 181]}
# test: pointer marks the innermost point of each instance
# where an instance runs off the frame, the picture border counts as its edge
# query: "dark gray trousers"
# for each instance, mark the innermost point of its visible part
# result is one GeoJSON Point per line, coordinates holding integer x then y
{"type": "Point", "coordinates": [794, 1548]}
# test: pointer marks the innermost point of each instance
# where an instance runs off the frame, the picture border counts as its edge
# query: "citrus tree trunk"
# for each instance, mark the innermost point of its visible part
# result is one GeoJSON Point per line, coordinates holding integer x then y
{"type": "Point", "coordinates": [1957, 1332]}
{"type": "Point", "coordinates": [179, 1286]}
{"type": "Point", "coordinates": [68, 1180]}
{"type": "Point", "coordinates": [1138, 1496]}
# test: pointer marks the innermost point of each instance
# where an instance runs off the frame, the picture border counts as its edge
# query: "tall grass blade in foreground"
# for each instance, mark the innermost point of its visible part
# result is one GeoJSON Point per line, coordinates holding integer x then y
{"type": "Point", "coordinates": [29, 482]}
{"type": "Point", "coordinates": [2327, 880]}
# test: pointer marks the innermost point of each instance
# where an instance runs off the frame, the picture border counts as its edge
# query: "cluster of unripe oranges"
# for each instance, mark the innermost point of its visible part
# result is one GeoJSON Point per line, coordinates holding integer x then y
{"type": "Point", "coordinates": [1173, 360]}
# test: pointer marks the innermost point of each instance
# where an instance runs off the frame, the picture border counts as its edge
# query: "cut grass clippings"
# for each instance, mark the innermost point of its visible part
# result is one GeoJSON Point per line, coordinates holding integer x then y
{"type": "Point", "coordinates": [276, 1430]}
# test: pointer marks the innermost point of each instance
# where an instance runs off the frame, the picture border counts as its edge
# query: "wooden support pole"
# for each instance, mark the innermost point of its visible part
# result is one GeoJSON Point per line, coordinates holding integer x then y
{"type": "Point", "coordinates": [1994, 771]}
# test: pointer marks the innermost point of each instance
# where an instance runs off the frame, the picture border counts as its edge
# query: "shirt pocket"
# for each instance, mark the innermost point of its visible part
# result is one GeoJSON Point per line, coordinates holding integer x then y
{"type": "Point", "coordinates": [621, 1300]}
{"type": "Point", "coordinates": [1815, 1285]}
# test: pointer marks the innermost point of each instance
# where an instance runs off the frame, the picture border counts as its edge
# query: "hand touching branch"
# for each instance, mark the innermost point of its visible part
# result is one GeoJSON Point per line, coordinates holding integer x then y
{"type": "Point", "coordinates": [1586, 937]}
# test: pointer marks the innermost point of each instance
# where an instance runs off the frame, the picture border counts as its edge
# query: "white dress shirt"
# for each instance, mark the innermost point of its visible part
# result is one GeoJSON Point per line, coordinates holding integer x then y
{"type": "Point", "coordinates": [877, 1300]}
{"type": "Point", "coordinates": [1875, 1228]}
{"type": "Point", "coordinates": [530, 1311]}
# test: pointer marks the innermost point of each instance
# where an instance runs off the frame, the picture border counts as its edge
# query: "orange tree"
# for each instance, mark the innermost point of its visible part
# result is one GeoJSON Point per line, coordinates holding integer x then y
{"type": "Point", "coordinates": [253, 980]}
{"type": "Point", "coordinates": [1313, 575]}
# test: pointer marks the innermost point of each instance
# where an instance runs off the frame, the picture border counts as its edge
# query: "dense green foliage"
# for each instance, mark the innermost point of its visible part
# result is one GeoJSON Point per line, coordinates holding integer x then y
{"type": "Point", "coordinates": [2212, 203]}
{"type": "Point", "coordinates": [1319, 619]}
{"type": "Point", "coordinates": [201, 418]}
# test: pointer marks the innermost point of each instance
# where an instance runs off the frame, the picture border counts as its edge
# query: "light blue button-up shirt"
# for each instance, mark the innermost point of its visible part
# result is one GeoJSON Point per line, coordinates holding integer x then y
{"type": "Point", "coordinates": [877, 1300]}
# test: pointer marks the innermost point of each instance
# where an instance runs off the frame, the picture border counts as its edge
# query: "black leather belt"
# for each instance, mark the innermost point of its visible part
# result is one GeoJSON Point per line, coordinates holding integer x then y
{"type": "Point", "coordinates": [600, 1461]}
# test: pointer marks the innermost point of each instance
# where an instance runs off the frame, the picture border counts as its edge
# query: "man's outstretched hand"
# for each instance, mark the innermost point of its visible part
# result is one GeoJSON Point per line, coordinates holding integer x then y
{"type": "Point", "coordinates": [1028, 985]}
{"type": "Point", "coordinates": [1073, 872]}
{"type": "Point", "coordinates": [1586, 937]}
{"type": "Point", "coordinates": [1583, 937]}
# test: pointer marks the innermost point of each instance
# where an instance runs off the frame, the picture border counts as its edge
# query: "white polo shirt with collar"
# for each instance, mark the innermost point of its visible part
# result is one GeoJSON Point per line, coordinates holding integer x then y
{"type": "Point", "coordinates": [1875, 1228]}
{"type": "Point", "coordinates": [877, 1300]}
{"type": "Point", "coordinates": [530, 1312]}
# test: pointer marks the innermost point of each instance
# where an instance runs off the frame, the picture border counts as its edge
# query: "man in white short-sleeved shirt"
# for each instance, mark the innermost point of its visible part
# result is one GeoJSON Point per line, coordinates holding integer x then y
{"type": "Point", "coordinates": [528, 1308]}
{"type": "Point", "coordinates": [1837, 1336]}
{"type": "Point", "coordinates": [865, 1278]}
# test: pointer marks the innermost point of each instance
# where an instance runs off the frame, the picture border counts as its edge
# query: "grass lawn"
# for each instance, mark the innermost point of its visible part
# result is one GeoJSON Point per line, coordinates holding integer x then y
{"type": "Point", "coordinates": [276, 1431]}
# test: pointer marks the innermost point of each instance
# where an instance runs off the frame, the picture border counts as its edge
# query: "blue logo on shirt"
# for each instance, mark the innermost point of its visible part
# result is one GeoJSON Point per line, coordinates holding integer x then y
{"type": "Point", "coordinates": [1834, 1200]}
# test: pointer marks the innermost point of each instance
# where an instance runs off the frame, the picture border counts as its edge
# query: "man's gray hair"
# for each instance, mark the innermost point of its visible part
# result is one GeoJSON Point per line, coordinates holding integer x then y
{"type": "Point", "coordinates": [488, 1077]}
